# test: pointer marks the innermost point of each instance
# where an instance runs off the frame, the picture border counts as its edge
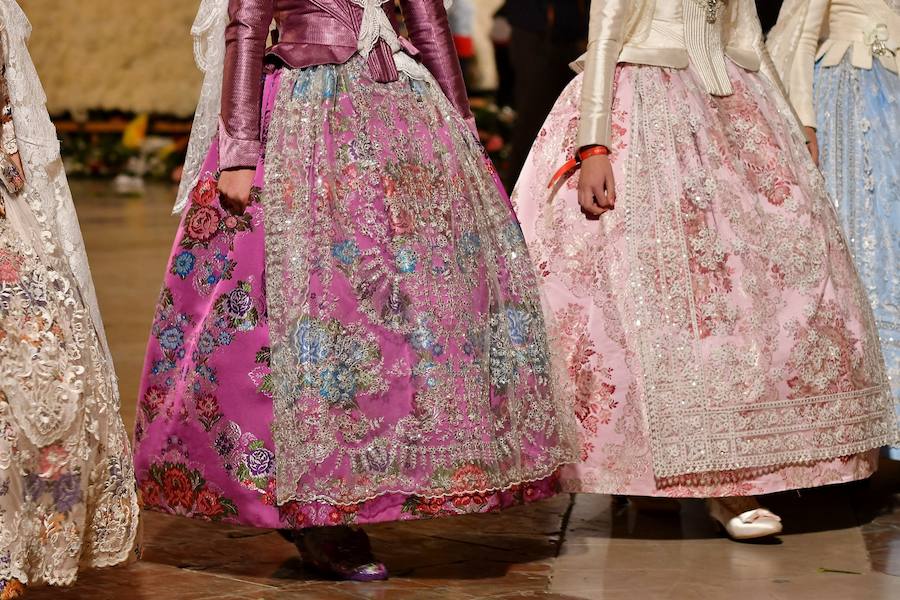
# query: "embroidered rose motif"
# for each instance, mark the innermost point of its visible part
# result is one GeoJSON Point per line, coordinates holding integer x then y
{"type": "Point", "coordinates": [425, 506]}
{"type": "Point", "coordinates": [389, 185]}
{"type": "Point", "coordinates": [470, 477]}
{"type": "Point", "coordinates": [779, 192]}
{"type": "Point", "coordinates": [208, 504]}
{"type": "Point", "coordinates": [239, 302]}
{"type": "Point", "coordinates": [402, 221]}
{"type": "Point", "coordinates": [202, 223]}
{"type": "Point", "coordinates": [179, 491]}
{"type": "Point", "coordinates": [469, 502]}
{"type": "Point", "coordinates": [52, 461]}
{"type": "Point", "coordinates": [205, 192]}
{"type": "Point", "coordinates": [260, 462]}
{"type": "Point", "coordinates": [150, 493]}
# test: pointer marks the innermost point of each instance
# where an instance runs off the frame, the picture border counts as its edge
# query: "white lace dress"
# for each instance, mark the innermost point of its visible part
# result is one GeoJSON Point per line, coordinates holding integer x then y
{"type": "Point", "coordinates": [67, 492]}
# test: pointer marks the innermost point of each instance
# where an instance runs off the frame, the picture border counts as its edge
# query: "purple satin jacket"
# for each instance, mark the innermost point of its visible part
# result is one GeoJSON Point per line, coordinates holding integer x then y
{"type": "Point", "coordinates": [317, 32]}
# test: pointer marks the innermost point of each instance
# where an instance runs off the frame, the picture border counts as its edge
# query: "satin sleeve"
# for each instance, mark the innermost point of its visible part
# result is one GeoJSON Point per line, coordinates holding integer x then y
{"type": "Point", "coordinates": [7, 127]}
{"type": "Point", "coordinates": [605, 40]}
{"type": "Point", "coordinates": [800, 84]}
{"type": "Point", "coordinates": [245, 47]}
{"type": "Point", "coordinates": [429, 31]}
{"type": "Point", "coordinates": [768, 70]}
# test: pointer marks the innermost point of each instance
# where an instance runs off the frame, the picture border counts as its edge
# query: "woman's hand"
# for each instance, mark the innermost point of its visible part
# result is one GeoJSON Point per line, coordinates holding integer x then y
{"type": "Point", "coordinates": [234, 189]}
{"type": "Point", "coordinates": [16, 160]}
{"type": "Point", "coordinates": [812, 143]}
{"type": "Point", "coordinates": [596, 186]}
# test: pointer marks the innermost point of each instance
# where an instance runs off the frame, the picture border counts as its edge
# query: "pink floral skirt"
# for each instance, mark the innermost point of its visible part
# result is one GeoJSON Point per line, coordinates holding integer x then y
{"type": "Point", "coordinates": [365, 343]}
{"type": "Point", "coordinates": [717, 338]}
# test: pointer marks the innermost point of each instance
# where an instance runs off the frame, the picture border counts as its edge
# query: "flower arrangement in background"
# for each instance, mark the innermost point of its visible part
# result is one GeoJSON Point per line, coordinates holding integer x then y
{"type": "Point", "coordinates": [132, 148]}
{"type": "Point", "coordinates": [128, 148]}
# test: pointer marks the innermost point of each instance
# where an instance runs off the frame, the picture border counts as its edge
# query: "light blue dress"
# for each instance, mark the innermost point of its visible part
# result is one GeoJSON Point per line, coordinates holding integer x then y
{"type": "Point", "coordinates": [859, 141]}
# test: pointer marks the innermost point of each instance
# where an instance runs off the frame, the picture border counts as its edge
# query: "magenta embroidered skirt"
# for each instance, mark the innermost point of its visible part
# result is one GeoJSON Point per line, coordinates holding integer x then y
{"type": "Point", "coordinates": [366, 343]}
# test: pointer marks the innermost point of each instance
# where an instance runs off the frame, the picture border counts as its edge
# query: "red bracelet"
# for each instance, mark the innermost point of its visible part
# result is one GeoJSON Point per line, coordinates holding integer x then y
{"type": "Point", "coordinates": [591, 151]}
{"type": "Point", "coordinates": [573, 163]}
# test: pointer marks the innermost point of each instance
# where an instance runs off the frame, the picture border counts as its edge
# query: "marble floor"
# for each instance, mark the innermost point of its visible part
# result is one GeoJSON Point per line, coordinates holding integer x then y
{"type": "Point", "coordinates": [839, 543]}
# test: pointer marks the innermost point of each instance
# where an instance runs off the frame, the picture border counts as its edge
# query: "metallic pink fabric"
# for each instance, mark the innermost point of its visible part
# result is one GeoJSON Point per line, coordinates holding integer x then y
{"type": "Point", "coordinates": [317, 32]}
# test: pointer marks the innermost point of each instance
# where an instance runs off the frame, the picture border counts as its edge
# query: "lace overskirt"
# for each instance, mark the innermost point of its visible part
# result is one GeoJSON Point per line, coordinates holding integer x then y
{"type": "Point", "coordinates": [67, 489]}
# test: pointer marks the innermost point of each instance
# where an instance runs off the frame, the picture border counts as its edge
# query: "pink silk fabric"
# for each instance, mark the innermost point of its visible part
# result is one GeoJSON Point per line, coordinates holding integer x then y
{"type": "Point", "coordinates": [717, 338]}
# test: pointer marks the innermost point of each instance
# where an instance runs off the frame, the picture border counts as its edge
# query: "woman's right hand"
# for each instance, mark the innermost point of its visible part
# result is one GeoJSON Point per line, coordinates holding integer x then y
{"type": "Point", "coordinates": [234, 189]}
{"type": "Point", "coordinates": [812, 143]}
{"type": "Point", "coordinates": [596, 186]}
{"type": "Point", "coordinates": [17, 162]}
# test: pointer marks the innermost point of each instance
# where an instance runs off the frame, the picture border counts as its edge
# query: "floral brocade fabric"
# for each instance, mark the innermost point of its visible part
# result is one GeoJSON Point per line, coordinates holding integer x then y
{"type": "Point", "coordinates": [366, 342]}
{"type": "Point", "coordinates": [717, 337]}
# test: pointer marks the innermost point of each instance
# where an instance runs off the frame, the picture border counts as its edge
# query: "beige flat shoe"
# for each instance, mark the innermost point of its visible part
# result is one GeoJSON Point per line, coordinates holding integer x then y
{"type": "Point", "coordinates": [748, 525]}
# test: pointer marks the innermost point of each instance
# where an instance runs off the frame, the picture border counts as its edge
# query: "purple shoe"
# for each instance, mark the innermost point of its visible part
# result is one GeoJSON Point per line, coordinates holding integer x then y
{"type": "Point", "coordinates": [340, 552]}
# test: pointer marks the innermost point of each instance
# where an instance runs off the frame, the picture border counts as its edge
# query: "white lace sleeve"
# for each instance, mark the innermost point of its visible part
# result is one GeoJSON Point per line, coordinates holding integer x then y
{"type": "Point", "coordinates": [209, 53]}
{"type": "Point", "coordinates": [25, 92]}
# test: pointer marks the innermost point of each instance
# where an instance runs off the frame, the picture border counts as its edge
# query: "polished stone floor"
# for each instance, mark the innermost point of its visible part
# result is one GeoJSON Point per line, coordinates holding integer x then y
{"type": "Point", "coordinates": [839, 543]}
